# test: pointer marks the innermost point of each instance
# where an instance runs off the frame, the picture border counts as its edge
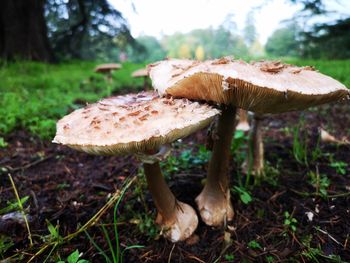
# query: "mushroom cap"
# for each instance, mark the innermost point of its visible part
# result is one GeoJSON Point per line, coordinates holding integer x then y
{"type": "Point", "coordinates": [103, 68]}
{"type": "Point", "coordinates": [131, 123]}
{"type": "Point", "coordinates": [262, 87]}
{"type": "Point", "coordinates": [143, 72]}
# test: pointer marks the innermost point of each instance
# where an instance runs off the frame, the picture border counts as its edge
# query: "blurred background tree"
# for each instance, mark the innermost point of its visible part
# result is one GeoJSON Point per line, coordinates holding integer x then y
{"type": "Point", "coordinates": [64, 29]}
{"type": "Point", "coordinates": [85, 29]}
{"type": "Point", "coordinates": [23, 30]}
{"type": "Point", "coordinates": [330, 40]}
{"type": "Point", "coordinates": [56, 30]}
{"type": "Point", "coordinates": [284, 41]}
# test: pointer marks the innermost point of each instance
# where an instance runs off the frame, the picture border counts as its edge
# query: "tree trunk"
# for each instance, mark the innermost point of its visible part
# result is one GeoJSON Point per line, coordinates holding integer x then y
{"type": "Point", "coordinates": [23, 31]}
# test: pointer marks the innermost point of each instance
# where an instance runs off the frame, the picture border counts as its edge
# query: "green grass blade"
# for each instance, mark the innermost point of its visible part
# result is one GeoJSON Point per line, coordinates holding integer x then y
{"type": "Point", "coordinates": [108, 260]}
{"type": "Point", "coordinates": [104, 230]}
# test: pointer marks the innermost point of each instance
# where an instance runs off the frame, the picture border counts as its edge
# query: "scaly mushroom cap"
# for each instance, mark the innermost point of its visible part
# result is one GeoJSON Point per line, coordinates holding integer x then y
{"type": "Point", "coordinates": [143, 72]}
{"type": "Point", "coordinates": [262, 87]}
{"type": "Point", "coordinates": [131, 123]}
{"type": "Point", "coordinates": [103, 68]}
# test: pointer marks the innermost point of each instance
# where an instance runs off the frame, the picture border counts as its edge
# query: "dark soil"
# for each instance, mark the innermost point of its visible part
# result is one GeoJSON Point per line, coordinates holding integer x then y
{"type": "Point", "coordinates": [67, 188]}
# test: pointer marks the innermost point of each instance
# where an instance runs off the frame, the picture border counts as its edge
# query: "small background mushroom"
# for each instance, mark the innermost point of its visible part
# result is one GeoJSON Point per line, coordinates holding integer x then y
{"type": "Point", "coordinates": [107, 70]}
{"type": "Point", "coordinates": [142, 73]}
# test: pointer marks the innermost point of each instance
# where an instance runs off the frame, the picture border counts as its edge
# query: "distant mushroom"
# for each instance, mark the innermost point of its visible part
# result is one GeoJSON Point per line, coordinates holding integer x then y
{"type": "Point", "coordinates": [141, 73]}
{"type": "Point", "coordinates": [141, 124]}
{"type": "Point", "coordinates": [107, 69]}
{"type": "Point", "coordinates": [326, 137]}
{"type": "Point", "coordinates": [261, 87]}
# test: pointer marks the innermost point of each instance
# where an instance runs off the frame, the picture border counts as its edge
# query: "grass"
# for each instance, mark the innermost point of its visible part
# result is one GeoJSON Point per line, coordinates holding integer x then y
{"type": "Point", "coordinates": [35, 95]}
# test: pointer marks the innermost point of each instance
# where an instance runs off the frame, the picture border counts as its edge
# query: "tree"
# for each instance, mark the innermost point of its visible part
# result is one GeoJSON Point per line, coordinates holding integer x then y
{"type": "Point", "coordinates": [184, 51]}
{"type": "Point", "coordinates": [38, 29]}
{"type": "Point", "coordinates": [330, 41]}
{"type": "Point", "coordinates": [23, 31]}
{"type": "Point", "coordinates": [150, 51]}
{"type": "Point", "coordinates": [314, 7]}
{"type": "Point", "coordinates": [249, 32]}
{"type": "Point", "coordinates": [199, 53]}
{"type": "Point", "coordinates": [84, 29]}
{"type": "Point", "coordinates": [323, 40]}
{"type": "Point", "coordinates": [283, 42]}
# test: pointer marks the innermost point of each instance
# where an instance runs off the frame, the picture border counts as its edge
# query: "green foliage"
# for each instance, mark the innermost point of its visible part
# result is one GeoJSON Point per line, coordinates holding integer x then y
{"type": "Point", "coordinates": [3, 143]}
{"type": "Point", "coordinates": [5, 244]}
{"type": "Point", "coordinates": [187, 159]}
{"type": "Point", "coordinates": [271, 173]}
{"type": "Point", "coordinates": [315, 254]}
{"type": "Point", "coordinates": [54, 234]}
{"type": "Point", "coordinates": [35, 95]}
{"type": "Point", "coordinates": [320, 183]}
{"type": "Point", "coordinates": [283, 42]}
{"type": "Point", "coordinates": [300, 143]}
{"type": "Point", "coordinates": [14, 205]}
{"type": "Point", "coordinates": [243, 193]}
{"type": "Point", "coordinates": [254, 245]}
{"type": "Point", "coordinates": [229, 257]}
{"type": "Point", "coordinates": [147, 226]}
{"type": "Point", "coordinates": [290, 223]}
{"type": "Point", "coordinates": [340, 167]}
{"type": "Point", "coordinates": [270, 259]}
{"type": "Point", "coordinates": [74, 257]}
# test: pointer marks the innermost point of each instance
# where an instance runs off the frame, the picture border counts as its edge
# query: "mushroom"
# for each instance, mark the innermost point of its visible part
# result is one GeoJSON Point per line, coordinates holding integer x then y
{"type": "Point", "coordinates": [107, 70]}
{"type": "Point", "coordinates": [243, 124]}
{"type": "Point", "coordinates": [140, 124]}
{"type": "Point", "coordinates": [261, 87]}
{"type": "Point", "coordinates": [326, 137]}
{"type": "Point", "coordinates": [141, 73]}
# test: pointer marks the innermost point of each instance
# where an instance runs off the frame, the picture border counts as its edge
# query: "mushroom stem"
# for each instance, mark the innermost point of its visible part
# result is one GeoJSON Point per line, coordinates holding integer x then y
{"type": "Point", "coordinates": [214, 201]}
{"type": "Point", "coordinates": [257, 148]}
{"type": "Point", "coordinates": [243, 124]}
{"type": "Point", "coordinates": [163, 198]}
{"type": "Point", "coordinates": [145, 84]}
{"type": "Point", "coordinates": [177, 220]}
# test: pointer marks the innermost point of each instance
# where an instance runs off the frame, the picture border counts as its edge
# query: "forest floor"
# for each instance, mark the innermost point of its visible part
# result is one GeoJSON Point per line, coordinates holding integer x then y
{"type": "Point", "coordinates": [299, 213]}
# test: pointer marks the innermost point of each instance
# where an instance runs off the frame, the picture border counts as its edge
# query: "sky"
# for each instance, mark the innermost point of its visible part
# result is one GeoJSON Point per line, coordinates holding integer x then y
{"type": "Point", "coordinates": [165, 17]}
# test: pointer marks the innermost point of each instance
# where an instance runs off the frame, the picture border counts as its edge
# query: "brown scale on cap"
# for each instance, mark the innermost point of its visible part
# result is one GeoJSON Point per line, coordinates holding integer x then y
{"type": "Point", "coordinates": [271, 66]}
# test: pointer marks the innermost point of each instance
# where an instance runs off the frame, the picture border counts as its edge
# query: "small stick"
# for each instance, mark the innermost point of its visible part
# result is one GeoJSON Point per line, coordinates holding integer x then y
{"type": "Point", "coordinates": [326, 233]}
